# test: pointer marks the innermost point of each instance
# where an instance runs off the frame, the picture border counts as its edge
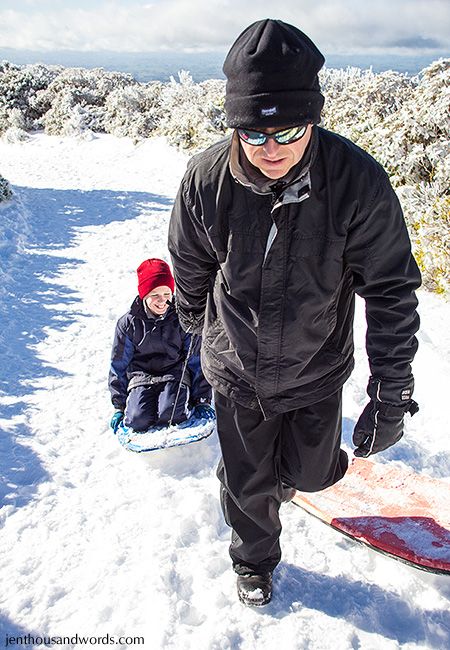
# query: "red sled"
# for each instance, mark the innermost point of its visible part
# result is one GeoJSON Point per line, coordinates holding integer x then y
{"type": "Point", "coordinates": [392, 510]}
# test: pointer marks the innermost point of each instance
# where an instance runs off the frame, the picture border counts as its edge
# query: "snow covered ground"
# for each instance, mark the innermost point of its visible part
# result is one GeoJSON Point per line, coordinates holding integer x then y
{"type": "Point", "coordinates": [98, 541]}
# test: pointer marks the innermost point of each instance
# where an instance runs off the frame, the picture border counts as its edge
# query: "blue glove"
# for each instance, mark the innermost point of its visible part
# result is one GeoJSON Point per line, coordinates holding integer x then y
{"type": "Point", "coordinates": [204, 411]}
{"type": "Point", "coordinates": [116, 420]}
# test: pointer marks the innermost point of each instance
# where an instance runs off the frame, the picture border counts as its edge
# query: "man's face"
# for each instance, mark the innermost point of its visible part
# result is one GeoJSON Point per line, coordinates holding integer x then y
{"type": "Point", "coordinates": [275, 160]}
{"type": "Point", "coordinates": [156, 300]}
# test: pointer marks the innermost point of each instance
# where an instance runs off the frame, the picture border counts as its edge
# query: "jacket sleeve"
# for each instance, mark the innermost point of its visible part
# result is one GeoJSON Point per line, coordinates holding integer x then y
{"type": "Point", "coordinates": [193, 260]}
{"type": "Point", "coordinates": [201, 392]}
{"type": "Point", "coordinates": [385, 274]}
{"type": "Point", "coordinates": [122, 354]}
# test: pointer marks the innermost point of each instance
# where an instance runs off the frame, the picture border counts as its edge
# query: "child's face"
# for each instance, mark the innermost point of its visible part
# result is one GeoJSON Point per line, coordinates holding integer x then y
{"type": "Point", "coordinates": [156, 300]}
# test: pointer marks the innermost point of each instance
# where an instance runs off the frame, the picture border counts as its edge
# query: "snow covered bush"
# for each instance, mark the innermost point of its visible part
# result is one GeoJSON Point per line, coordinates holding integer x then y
{"type": "Point", "coordinates": [18, 88]}
{"type": "Point", "coordinates": [412, 141]}
{"type": "Point", "coordinates": [133, 111]}
{"type": "Point", "coordinates": [76, 100]}
{"type": "Point", "coordinates": [5, 189]}
{"type": "Point", "coordinates": [16, 131]}
{"type": "Point", "coordinates": [403, 122]}
{"type": "Point", "coordinates": [13, 134]}
{"type": "Point", "coordinates": [192, 115]}
{"type": "Point", "coordinates": [357, 100]}
{"type": "Point", "coordinates": [418, 159]}
{"type": "Point", "coordinates": [427, 214]}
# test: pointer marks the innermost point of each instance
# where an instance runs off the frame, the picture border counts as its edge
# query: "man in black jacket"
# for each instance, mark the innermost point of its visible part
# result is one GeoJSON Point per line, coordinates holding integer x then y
{"type": "Point", "coordinates": [273, 232]}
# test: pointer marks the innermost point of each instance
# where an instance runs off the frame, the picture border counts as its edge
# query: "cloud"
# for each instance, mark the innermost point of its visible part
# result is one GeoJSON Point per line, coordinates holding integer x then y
{"type": "Point", "coordinates": [346, 26]}
{"type": "Point", "coordinates": [415, 42]}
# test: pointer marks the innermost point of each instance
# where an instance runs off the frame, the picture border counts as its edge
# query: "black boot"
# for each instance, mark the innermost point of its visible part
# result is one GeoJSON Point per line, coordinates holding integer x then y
{"type": "Point", "coordinates": [255, 589]}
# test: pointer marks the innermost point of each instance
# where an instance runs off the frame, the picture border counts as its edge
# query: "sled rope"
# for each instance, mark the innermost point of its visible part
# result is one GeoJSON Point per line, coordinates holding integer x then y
{"type": "Point", "coordinates": [181, 380]}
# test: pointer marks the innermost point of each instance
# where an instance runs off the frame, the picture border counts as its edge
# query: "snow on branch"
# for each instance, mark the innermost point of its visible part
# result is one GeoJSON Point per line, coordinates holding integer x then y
{"type": "Point", "coordinates": [5, 189]}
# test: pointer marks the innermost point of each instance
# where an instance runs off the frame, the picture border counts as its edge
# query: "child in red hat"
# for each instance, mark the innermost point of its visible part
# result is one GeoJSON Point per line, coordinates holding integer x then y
{"type": "Point", "coordinates": [148, 356]}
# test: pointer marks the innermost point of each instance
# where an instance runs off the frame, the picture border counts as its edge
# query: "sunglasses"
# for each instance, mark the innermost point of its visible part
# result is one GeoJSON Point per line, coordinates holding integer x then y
{"type": "Point", "coordinates": [285, 136]}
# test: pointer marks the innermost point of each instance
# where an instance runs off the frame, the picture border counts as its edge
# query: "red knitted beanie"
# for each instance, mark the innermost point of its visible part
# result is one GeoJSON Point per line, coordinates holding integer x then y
{"type": "Point", "coordinates": [154, 273]}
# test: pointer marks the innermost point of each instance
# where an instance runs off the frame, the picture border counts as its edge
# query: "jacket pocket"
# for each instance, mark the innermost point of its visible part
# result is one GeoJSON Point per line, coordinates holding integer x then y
{"type": "Point", "coordinates": [317, 245]}
{"type": "Point", "coordinates": [325, 361]}
{"type": "Point", "coordinates": [217, 346]}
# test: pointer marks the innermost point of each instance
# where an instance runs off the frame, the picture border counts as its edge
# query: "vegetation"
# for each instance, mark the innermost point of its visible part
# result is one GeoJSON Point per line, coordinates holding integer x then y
{"type": "Point", "coordinates": [402, 121]}
{"type": "Point", "coordinates": [5, 190]}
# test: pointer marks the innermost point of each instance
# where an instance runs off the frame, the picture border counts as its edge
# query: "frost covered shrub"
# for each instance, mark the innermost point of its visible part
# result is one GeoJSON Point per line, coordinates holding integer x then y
{"type": "Point", "coordinates": [192, 114]}
{"type": "Point", "coordinates": [357, 100]}
{"type": "Point", "coordinates": [15, 134]}
{"type": "Point", "coordinates": [5, 189]}
{"type": "Point", "coordinates": [76, 100]}
{"type": "Point", "coordinates": [133, 111]}
{"type": "Point", "coordinates": [16, 131]}
{"type": "Point", "coordinates": [412, 142]}
{"type": "Point", "coordinates": [427, 216]}
{"type": "Point", "coordinates": [411, 139]}
{"type": "Point", "coordinates": [19, 86]}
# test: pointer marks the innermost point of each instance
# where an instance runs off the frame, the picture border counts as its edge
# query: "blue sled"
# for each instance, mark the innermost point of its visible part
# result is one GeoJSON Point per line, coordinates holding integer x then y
{"type": "Point", "coordinates": [192, 430]}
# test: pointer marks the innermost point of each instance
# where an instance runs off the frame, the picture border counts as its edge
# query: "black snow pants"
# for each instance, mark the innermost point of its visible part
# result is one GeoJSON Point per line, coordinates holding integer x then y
{"type": "Point", "coordinates": [300, 449]}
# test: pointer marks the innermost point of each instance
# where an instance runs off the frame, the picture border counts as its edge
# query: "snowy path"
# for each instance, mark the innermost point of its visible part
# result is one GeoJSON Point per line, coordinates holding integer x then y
{"type": "Point", "coordinates": [99, 541]}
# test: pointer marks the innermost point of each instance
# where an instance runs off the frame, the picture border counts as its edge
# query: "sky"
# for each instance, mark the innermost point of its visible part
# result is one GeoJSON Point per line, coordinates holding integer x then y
{"type": "Point", "coordinates": [347, 26]}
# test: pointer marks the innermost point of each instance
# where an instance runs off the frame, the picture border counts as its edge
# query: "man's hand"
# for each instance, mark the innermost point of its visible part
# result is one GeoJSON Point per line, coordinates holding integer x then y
{"type": "Point", "coordinates": [381, 423]}
{"type": "Point", "coordinates": [190, 322]}
{"type": "Point", "coordinates": [116, 420]}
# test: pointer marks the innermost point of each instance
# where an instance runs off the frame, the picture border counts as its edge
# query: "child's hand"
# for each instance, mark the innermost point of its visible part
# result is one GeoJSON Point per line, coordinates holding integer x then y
{"type": "Point", "coordinates": [116, 420]}
{"type": "Point", "coordinates": [204, 411]}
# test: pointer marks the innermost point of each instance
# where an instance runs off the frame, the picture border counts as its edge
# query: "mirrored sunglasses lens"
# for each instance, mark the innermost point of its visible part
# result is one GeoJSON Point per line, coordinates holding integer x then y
{"type": "Point", "coordinates": [290, 135]}
{"type": "Point", "coordinates": [254, 138]}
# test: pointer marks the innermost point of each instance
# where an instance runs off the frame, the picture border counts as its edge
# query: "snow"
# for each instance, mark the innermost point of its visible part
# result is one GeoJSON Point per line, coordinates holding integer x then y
{"type": "Point", "coordinates": [97, 540]}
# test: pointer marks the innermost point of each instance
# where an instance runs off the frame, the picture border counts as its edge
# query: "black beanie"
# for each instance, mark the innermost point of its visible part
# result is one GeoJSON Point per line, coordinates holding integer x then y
{"type": "Point", "coordinates": [272, 80]}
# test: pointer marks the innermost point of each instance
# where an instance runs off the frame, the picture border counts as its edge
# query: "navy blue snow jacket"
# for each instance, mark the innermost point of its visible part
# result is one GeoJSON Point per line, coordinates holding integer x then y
{"type": "Point", "coordinates": [149, 349]}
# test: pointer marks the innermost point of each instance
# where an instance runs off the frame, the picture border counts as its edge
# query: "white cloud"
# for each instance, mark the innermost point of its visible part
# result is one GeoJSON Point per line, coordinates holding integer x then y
{"type": "Point", "coordinates": [344, 26]}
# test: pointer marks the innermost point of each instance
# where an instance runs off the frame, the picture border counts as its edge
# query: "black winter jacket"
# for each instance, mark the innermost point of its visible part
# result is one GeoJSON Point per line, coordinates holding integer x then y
{"type": "Point", "coordinates": [146, 350]}
{"type": "Point", "coordinates": [276, 277]}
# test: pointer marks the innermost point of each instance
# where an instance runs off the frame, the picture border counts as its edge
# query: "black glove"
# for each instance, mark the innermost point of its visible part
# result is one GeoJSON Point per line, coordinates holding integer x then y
{"type": "Point", "coordinates": [381, 423]}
